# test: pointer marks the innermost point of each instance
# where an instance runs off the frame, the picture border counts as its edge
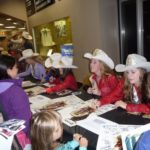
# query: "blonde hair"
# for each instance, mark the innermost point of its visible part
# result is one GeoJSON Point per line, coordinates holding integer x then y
{"type": "Point", "coordinates": [106, 70]}
{"type": "Point", "coordinates": [128, 86]}
{"type": "Point", "coordinates": [43, 126]}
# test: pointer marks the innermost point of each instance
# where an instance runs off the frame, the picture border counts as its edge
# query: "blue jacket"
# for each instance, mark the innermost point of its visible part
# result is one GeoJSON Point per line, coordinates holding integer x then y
{"type": "Point", "coordinates": [71, 145]}
{"type": "Point", "coordinates": [38, 72]}
{"type": "Point", "coordinates": [144, 142]}
{"type": "Point", "coordinates": [14, 101]}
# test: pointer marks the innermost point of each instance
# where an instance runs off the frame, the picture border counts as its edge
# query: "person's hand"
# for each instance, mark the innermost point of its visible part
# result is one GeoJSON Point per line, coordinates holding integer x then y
{"type": "Point", "coordinates": [51, 79]}
{"type": "Point", "coordinates": [43, 80]}
{"type": "Point", "coordinates": [89, 90]}
{"type": "Point", "coordinates": [96, 91]}
{"type": "Point", "coordinates": [77, 137]}
{"type": "Point", "coordinates": [121, 104]}
{"type": "Point", "coordinates": [95, 104]}
{"type": "Point", "coordinates": [83, 142]}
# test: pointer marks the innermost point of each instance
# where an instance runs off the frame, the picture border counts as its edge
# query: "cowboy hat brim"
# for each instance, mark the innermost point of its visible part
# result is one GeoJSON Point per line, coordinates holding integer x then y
{"type": "Point", "coordinates": [104, 59]}
{"type": "Point", "coordinates": [33, 55]}
{"type": "Point", "coordinates": [29, 37]}
{"type": "Point", "coordinates": [123, 68]}
{"type": "Point", "coordinates": [48, 63]}
{"type": "Point", "coordinates": [64, 66]}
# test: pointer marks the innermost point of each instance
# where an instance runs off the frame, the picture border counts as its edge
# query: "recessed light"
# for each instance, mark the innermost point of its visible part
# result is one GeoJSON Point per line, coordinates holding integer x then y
{"type": "Point", "coordinates": [10, 27]}
{"type": "Point", "coordinates": [1, 24]}
{"type": "Point", "coordinates": [15, 23]}
{"type": "Point", "coordinates": [8, 19]}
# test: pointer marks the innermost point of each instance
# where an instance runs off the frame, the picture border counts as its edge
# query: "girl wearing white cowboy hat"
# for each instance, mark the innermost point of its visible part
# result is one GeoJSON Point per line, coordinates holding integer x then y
{"type": "Point", "coordinates": [128, 92]}
{"type": "Point", "coordinates": [66, 80]}
{"type": "Point", "coordinates": [35, 69]}
{"type": "Point", "coordinates": [103, 80]}
{"type": "Point", "coordinates": [26, 40]}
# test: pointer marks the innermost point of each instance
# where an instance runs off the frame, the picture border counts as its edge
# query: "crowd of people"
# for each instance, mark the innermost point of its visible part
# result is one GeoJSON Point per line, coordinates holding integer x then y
{"type": "Point", "coordinates": [129, 91]}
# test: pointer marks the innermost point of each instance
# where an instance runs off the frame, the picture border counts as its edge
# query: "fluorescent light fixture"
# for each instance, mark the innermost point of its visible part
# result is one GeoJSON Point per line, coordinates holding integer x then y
{"type": "Point", "coordinates": [8, 19]}
{"type": "Point", "coordinates": [1, 24]}
{"type": "Point", "coordinates": [15, 23]}
{"type": "Point", "coordinates": [10, 27]}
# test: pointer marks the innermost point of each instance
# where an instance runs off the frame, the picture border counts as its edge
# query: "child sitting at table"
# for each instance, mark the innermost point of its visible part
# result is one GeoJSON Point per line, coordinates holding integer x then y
{"type": "Point", "coordinates": [66, 80]}
{"type": "Point", "coordinates": [36, 68]}
{"type": "Point", "coordinates": [128, 92]}
{"type": "Point", "coordinates": [143, 142]}
{"type": "Point", "coordinates": [103, 79]}
{"type": "Point", "coordinates": [146, 88]}
{"type": "Point", "coordinates": [47, 128]}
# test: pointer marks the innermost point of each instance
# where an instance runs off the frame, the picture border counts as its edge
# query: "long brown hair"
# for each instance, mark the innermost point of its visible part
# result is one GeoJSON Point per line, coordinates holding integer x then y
{"type": "Point", "coordinates": [128, 87]}
{"type": "Point", "coordinates": [146, 88]}
{"type": "Point", "coordinates": [43, 126]}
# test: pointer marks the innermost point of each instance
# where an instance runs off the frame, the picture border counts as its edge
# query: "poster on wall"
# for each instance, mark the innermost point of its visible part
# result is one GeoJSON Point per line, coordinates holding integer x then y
{"type": "Point", "coordinates": [40, 4]}
{"type": "Point", "coordinates": [60, 27]}
{"type": "Point", "coordinates": [30, 7]}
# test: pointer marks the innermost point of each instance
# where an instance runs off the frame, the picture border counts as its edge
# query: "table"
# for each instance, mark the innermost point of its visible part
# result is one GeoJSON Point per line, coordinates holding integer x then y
{"type": "Point", "coordinates": [119, 116]}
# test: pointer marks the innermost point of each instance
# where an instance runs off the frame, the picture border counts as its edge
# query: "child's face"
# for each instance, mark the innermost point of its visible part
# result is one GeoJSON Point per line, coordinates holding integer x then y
{"type": "Point", "coordinates": [57, 134]}
{"type": "Point", "coordinates": [95, 66]}
{"type": "Point", "coordinates": [133, 76]}
{"type": "Point", "coordinates": [29, 61]}
{"type": "Point", "coordinates": [13, 72]}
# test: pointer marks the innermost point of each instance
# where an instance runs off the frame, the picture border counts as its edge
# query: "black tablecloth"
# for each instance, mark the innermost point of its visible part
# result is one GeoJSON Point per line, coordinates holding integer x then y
{"type": "Point", "coordinates": [120, 116]}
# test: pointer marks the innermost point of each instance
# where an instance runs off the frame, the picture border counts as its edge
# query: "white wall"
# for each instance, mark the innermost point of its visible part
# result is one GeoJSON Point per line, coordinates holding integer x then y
{"type": "Point", "coordinates": [94, 25]}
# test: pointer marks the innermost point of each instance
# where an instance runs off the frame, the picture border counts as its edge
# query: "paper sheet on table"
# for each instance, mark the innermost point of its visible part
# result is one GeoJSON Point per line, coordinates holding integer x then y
{"type": "Point", "coordinates": [35, 90]}
{"type": "Point", "coordinates": [93, 123]}
{"type": "Point", "coordinates": [70, 100]}
{"type": "Point", "coordinates": [38, 102]}
{"type": "Point", "coordinates": [105, 108]}
{"type": "Point", "coordinates": [65, 113]}
{"type": "Point", "coordinates": [5, 144]}
{"type": "Point", "coordinates": [49, 85]}
{"type": "Point", "coordinates": [39, 99]}
{"type": "Point", "coordinates": [27, 83]}
{"type": "Point", "coordinates": [109, 133]}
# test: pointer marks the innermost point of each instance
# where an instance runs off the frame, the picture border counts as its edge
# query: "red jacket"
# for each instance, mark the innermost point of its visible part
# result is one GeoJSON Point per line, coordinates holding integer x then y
{"type": "Point", "coordinates": [106, 84]}
{"type": "Point", "coordinates": [68, 83]}
{"type": "Point", "coordinates": [117, 94]}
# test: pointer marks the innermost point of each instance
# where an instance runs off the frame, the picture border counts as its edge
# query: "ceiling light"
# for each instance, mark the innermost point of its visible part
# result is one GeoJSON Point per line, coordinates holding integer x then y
{"type": "Point", "coordinates": [1, 24]}
{"type": "Point", "coordinates": [10, 27]}
{"type": "Point", "coordinates": [8, 19]}
{"type": "Point", "coordinates": [15, 23]}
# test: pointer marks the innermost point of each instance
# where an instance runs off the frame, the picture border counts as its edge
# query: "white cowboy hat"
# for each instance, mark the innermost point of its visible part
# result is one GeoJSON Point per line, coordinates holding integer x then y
{"type": "Point", "coordinates": [102, 56]}
{"type": "Point", "coordinates": [49, 53]}
{"type": "Point", "coordinates": [52, 59]}
{"type": "Point", "coordinates": [26, 35]}
{"type": "Point", "coordinates": [14, 33]}
{"type": "Point", "coordinates": [56, 60]}
{"type": "Point", "coordinates": [28, 53]}
{"type": "Point", "coordinates": [133, 61]}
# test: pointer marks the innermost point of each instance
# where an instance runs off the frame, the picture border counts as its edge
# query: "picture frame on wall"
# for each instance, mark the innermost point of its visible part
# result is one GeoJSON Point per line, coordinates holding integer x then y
{"type": "Point", "coordinates": [40, 4]}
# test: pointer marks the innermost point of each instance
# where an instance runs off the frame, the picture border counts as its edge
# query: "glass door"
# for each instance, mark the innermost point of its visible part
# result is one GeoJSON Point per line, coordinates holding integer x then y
{"type": "Point", "coordinates": [146, 26]}
{"type": "Point", "coordinates": [134, 29]}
